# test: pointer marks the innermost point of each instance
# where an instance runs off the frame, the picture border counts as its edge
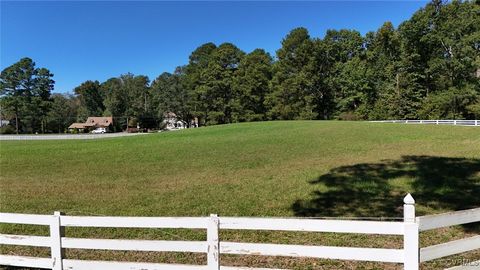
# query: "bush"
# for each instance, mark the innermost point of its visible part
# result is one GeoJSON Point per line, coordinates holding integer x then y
{"type": "Point", "coordinates": [349, 116]}
{"type": "Point", "coordinates": [7, 130]}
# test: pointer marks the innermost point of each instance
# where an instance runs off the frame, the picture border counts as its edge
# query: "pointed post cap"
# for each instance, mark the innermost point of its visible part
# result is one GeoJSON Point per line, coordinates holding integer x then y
{"type": "Point", "coordinates": [408, 199]}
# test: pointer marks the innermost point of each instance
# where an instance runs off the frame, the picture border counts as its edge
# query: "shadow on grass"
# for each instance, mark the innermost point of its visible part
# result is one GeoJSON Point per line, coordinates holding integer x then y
{"type": "Point", "coordinates": [377, 189]}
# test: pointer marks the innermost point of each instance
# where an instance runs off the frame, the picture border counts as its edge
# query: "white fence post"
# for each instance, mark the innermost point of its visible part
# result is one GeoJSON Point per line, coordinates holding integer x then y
{"type": "Point", "coordinates": [213, 256]}
{"type": "Point", "coordinates": [410, 237]}
{"type": "Point", "coordinates": [56, 234]}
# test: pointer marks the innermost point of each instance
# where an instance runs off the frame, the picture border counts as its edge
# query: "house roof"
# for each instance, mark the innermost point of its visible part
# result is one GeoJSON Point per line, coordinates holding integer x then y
{"type": "Point", "coordinates": [94, 122]}
{"type": "Point", "coordinates": [99, 121]}
{"type": "Point", "coordinates": [77, 125]}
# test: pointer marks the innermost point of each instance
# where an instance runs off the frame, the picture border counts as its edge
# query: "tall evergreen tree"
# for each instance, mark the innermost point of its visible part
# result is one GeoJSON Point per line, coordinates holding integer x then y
{"type": "Point", "coordinates": [127, 99]}
{"type": "Point", "coordinates": [216, 84]}
{"type": "Point", "coordinates": [42, 101]}
{"type": "Point", "coordinates": [62, 113]}
{"type": "Point", "coordinates": [91, 99]}
{"type": "Point", "coordinates": [252, 86]}
{"type": "Point", "coordinates": [198, 63]}
{"type": "Point", "coordinates": [25, 93]}
{"type": "Point", "coordinates": [291, 96]}
{"type": "Point", "coordinates": [169, 94]}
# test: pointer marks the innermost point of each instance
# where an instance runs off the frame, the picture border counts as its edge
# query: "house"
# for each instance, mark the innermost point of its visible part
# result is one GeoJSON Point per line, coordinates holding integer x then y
{"type": "Point", "coordinates": [92, 123]}
{"type": "Point", "coordinates": [171, 122]}
{"type": "Point", "coordinates": [4, 122]}
{"type": "Point", "coordinates": [80, 127]}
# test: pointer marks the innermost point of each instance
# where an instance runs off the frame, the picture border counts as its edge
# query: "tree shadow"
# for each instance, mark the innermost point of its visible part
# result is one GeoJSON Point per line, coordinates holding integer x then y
{"type": "Point", "coordinates": [438, 184]}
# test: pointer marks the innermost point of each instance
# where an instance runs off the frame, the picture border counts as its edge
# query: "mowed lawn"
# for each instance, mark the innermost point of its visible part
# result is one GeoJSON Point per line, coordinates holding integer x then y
{"type": "Point", "coordinates": [283, 168]}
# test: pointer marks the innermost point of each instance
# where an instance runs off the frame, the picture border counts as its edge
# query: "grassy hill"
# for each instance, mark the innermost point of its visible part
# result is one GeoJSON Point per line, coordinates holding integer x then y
{"type": "Point", "coordinates": [291, 168]}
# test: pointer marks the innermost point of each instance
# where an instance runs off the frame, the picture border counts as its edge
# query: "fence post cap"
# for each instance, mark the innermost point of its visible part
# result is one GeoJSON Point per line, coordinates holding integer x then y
{"type": "Point", "coordinates": [408, 199]}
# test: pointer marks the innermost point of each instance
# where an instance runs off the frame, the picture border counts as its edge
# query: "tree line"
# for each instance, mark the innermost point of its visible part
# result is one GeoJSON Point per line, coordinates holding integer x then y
{"type": "Point", "coordinates": [428, 68]}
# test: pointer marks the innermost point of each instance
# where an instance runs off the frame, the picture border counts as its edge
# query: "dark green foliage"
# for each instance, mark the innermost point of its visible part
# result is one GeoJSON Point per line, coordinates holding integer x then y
{"type": "Point", "coordinates": [115, 99]}
{"type": "Point", "coordinates": [25, 95]}
{"type": "Point", "coordinates": [62, 113]}
{"type": "Point", "coordinates": [217, 82]}
{"type": "Point", "coordinates": [8, 129]}
{"type": "Point", "coordinates": [346, 80]}
{"type": "Point", "coordinates": [41, 100]}
{"type": "Point", "coordinates": [292, 94]}
{"type": "Point", "coordinates": [427, 68]}
{"type": "Point", "coordinates": [440, 57]}
{"type": "Point", "coordinates": [169, 94]}
{"type": "Point", "coordinates": [251, 86]}
{"type": "Point", "coordinates": [91, 100]}
{"type": "Point", "coordinates": [197, 65]}
{"type": "Point", "coordinates": [126, 98]}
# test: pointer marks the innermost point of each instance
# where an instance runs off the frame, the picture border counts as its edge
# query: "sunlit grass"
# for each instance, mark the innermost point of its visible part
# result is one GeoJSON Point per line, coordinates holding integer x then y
{"type": "Point", "coordinates": [251, 169]}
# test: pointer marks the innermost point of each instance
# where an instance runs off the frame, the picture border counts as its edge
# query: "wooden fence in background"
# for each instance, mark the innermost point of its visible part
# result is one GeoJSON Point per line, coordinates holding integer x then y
{"type": "Point", "coordinates": [410, 255]}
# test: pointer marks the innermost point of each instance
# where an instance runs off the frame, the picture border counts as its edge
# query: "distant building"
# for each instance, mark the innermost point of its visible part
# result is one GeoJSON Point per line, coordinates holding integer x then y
{"type": "Point", "coordinates": [93, 123]}
{"type": "Point", "coordinates": [171, 122]}
{"type": "Point", "coordinates": [4, 123]}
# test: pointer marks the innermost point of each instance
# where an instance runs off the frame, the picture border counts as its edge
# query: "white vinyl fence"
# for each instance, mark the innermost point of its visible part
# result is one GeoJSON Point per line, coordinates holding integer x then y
{"type": "Point", "coordinates": [42, 137]}
{"type": "Point", "coordinates": [474, 123]}
{"type": "Point", "coordinates": [410, 255]}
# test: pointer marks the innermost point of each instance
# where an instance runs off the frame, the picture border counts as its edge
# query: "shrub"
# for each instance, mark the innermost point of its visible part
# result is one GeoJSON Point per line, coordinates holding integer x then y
{"type": "Point", "coordinates": [349, 116]}
{"type": "Point", "coordinates": [7, 130]}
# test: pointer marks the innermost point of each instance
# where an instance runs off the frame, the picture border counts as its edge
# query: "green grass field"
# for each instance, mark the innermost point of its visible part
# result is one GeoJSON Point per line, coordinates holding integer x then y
{"type": "Point", "coordinates": [296, 168]}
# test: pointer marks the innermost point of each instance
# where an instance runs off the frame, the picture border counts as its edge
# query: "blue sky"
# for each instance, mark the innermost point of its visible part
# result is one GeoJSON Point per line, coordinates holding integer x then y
{"type": "Point", "coordinates": [80, 40]}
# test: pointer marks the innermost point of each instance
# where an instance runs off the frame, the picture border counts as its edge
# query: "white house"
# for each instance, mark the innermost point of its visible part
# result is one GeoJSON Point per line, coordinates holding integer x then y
{"type": "Point", "coordinates": [171, 122]}
{"type": "Point", "coordinates": [4, 123]}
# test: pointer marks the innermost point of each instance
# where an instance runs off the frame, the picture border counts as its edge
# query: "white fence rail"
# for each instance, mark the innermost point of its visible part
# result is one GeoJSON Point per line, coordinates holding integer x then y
{"type": "Point", "coordinates": [410, 255]}
{"type": "Point", "coordinates": [434, 122]}
{"type": "Point", "coordinates": [41, 137]}
{"type": "Point", "coordinates": [446, 220]}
